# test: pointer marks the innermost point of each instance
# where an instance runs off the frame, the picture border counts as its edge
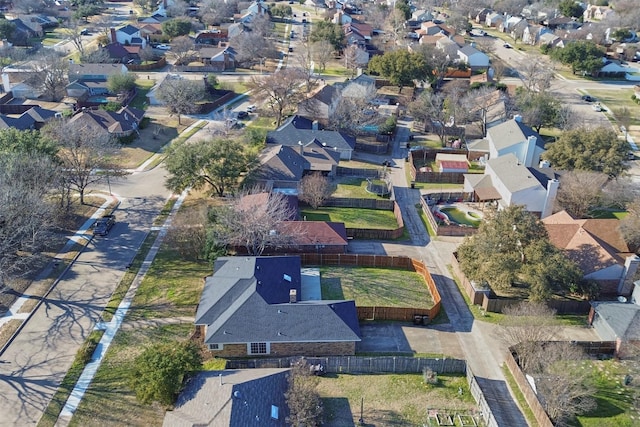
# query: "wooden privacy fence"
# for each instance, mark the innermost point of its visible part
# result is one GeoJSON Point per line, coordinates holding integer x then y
{"type": "Point", "coordinates": [146, 67]}
{"type": "Point", "coordinates": [383, 261]}
{"type": "Point", "coordinates": [444, 230]}
{"type": "Point", "coordinates": [367, 173]}
{"type": "Point", "coordinates": [344, 202]}
{"type": "Point", "coordinates": [370, 233]}
{"type": "Point", "coordinates": [359, 364]}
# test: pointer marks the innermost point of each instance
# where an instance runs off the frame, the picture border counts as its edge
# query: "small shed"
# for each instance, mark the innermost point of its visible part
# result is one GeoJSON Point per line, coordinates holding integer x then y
{"type": "Point", "coordinates": [452, 163]}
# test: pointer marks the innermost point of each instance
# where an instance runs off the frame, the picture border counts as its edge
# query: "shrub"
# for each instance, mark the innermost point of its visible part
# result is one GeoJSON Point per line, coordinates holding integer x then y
{"type": "Point", "coordinates": [430, 376]}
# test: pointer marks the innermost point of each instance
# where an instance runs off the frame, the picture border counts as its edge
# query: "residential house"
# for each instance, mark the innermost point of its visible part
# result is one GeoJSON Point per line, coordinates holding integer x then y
{"type": "Point", "coordinates": [312, 237]}
{"type": "Point", "coordinates": [153, 19]}
{"type": "Point", "coordinates": [550, 39]}
{"type": "Point", "coordinates": [234, 398]}
{"type": "Point", "coordinates": [475, 59]}
{"type": "Point", "coordinates": [341, 18]}
{"type": "Point", "coordinates": [431, 28]}
{"type": "Point", "coordinates": [25, 29]}
{"type": "Point", "coordinates": [34, 118]}
{"type": "Point", "coordinates": [618, 321]}
{"type": "Point", "coordinates": [219, 58]}
{"type": "Point", "coordinates": [260, 306]}
{"type": "Point", "coordinates": [128, 35]}
{"type": "Point", "coordinates": [91, 79]}
{"type": "Point", "coordinates": [123, 122]}
{"type": "Point", "coordinates": [299, 129]}
{"type": "Point", "coordinates": [509, 23]}
{"type": "Point", "coordinates": [494, 19]}
{"type": "Point", "coordinates": [362, 87]}
{"type": "Point", "coordinates": [448, 46]}
{"type": "Point", "coordinates": [254, 9]}
{"type": "Point", "coordinates": [598, 247]}
{"type": "Point", "coordinates": [532, 33]}
{"type": "Point", "coordinates": [283, 166]}
{"type": "Point", "coordinates": [147, 30]}
{"type": "Point", "coordinates": [612, 69]}
{"type": "Point", "coordinates": [509, 182]}
{"type": "Point", "coordinates": [321, 105]}
{"type": "Point", "coordinates": [421, 15]}
{"type": "Point", "coordinates": [512, 136]}
{"type": "Point", "coordinates": [121, 53]}
{"type": "Point", "coordinates": [597, 13]}
{"type": "Point", "coordinates": [212, 37]}
{"type": "Point", "coordinates": [562, 23]}
{"type": "Point", "coordinates": [481, 16]}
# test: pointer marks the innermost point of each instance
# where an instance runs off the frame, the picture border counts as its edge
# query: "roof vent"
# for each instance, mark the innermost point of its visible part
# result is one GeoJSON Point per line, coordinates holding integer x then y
{"type": "Point", "coordinates": [236, 394]}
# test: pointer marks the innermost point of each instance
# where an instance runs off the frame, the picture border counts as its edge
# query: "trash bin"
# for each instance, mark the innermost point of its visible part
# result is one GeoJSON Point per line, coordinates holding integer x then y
{"type": "Point", "coordinates": [417, 319]}
{"type": "Point", "coordinates": [413, 185]}
{"type": "Point", "coordinates": [425, 319]}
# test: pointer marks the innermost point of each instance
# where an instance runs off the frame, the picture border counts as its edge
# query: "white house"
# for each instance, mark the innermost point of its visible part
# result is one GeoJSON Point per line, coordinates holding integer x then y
{"type": "Point", "coordinates": [475, 59]}
{"type": "Point", "coordinates": [128, 35]}
{"type": "Point", "coordinates": [516, 138]}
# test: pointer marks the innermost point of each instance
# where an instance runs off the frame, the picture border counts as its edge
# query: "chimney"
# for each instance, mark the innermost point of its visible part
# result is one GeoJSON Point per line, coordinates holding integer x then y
{"type": "Point", "coordinates": [631, 265]}
{"type": "Point", "coordinates": [293, 296]}
{"type": "Point", "coordinates": [550, 198]}
{"type": "Point", "coordinates": [544, 164]}
{"type": "Point", "coordinates": [114, 39]}
{"type": "Point", "coordinates": [6, 84]}
{"type": "Point", "coordinates": [164, 4]}
{"type": "Point", "coordinates": [314, 125]}
{"type": "Point", "coordinates": [300, 148]}
{"type": "Point", "coordinates": [530, 149]}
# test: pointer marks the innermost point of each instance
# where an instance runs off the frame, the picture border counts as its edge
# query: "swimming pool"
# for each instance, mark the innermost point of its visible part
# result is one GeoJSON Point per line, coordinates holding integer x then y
{"type": "Point", "coordinates": [98, 98]}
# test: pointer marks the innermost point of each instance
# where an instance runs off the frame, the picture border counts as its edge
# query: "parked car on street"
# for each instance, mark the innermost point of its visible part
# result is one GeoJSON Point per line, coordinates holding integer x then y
{"type": "Point", "coordinates": [588, 98]}
{"type": "Point", "coordinates": [163, 47]}
{"type": "Point", "coordinates": [251, 108]}
{"type": "Point", "coordinates": [242, 115]}
{"type": "Point", "coordinates": [103, 225]}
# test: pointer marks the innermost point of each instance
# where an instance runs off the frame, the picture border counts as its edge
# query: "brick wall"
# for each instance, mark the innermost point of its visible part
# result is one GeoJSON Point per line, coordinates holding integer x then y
{"type": "Point", "coordinates": [292, 349]}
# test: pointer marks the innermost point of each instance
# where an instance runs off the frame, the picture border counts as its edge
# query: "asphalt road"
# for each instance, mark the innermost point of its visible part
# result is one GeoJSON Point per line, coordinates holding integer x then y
{"type": "Point", "coordinates": [34, 364]}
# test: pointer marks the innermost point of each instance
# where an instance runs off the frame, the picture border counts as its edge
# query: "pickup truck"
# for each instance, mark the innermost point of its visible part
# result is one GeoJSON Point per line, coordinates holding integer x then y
{"type": "Point", "coordinates": [103, 224]}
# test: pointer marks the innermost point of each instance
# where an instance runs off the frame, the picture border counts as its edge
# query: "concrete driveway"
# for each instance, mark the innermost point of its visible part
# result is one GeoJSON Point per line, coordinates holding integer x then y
{"type": "Point", "coordinates": [392, 337]}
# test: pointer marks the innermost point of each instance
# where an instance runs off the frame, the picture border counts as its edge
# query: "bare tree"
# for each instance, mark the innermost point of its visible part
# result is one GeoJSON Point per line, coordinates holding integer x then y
{"type": "Point", "coordinates": [251, 221]}
{"type": "Point", "coordinates": [303, 400]}
{"type": "Point", "coordinates": [104, 23]}
{"type": "Point", "coordinates": [73, 31]}
{"type": "Point", "coordinates": [479, 102]}
{"type": "Point", "coordinates": [304, 59]}
{"type": "Point", "coordinates": [566, 118]}
{"type": "Point", "coordinates": [50, 74]}
{"type": "Point", "coordinates": [180, 96]}
{"type": "Point", "coordinates": [26, 216]}
{"type": "Point", "coordinates": [630, 225]}
{"type": "Point", "coordinates": [182, 49]}
{"type": "Point", "coordinates": [314, 189]}
{"type": "Point", "coordinates": [350, 54]}
{"type": "Point", "coordinates": [147, 53]}
{"type": "Point", "coordinates": [177, 8]}
{"type": "Point", "coordinates": [85, 149]}
{"type": "Point", "coordinates": [280, 91]}
{"type": "Point", "coordinates": [253, 48]}
{"type": "Point", "coordinates": [322, 53]}
{"type": "Point", "coordinates": [536, 75]}
{"type": "Point", "coordinates": [429, 108]}
{"type": "Point", "coordinates": [96, 56]}
{"type": "Point", "coordinates": [188, 234]}
{"type": "Point", "coordinates": [580, 191]}
{"type": "Point", "coordinates": [526, 325]}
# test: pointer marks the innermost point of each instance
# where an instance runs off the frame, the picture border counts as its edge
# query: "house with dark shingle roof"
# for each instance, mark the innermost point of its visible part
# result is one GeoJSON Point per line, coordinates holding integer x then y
{"type": "Point", "coordinates": [596, 245]}
{"type": "Point", "coordinates": [234, 398]}
{"type": "Point", "coordinates": [322, 237]}
{"type": "Point", "coordinates": [91, 79]}
{"type": "Point", "coordinates": [118, 123]}
{"type": "Point", "coordinates": [322, 105]}
{"type": "Point", "coordinates": [33, 118]}
{"type": "Point", "coordinates": [128, 35]}
{"type": "Point", "coordinates": [256, 306]}
{"type": "Point", "coordinates": [296, 131]}
{"type": "Point", "coordinates": [619, 321]}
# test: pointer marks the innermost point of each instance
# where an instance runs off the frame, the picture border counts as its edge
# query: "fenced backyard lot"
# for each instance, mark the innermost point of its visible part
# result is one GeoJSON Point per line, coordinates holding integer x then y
{"type": "Point", "coordinates": [391, 400]}
{"type": "Point", "coordinates": [376, 287]}
{"type": "Point", "coordinates": [353, 217]}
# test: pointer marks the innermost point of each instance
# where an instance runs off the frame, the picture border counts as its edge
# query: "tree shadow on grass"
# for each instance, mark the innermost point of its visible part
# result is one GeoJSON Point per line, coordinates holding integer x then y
{"type": "Point", "coordinates": [332, 288]}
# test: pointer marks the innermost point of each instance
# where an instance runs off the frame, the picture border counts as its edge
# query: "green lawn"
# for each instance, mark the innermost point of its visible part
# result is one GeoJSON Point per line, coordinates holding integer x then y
{"type": "Point", "coordinates": [352, 187]}
{"type": "Point", "coordinates": [353, 217]}
{"type": "Point", "coordinates": [615, 99]}
{"type": "Point", "coordinates": [390, 400]}
{"type": "Point", "coordinates": [142, 87]}
{"type": "Point", "coordinates": [608, 213]}
{"type": "Point", "coordinates": [616, 406]}
{"type": "Point", "coordinates": [375, 287]}
{"type": "Point", "coordinates": [266, 123]}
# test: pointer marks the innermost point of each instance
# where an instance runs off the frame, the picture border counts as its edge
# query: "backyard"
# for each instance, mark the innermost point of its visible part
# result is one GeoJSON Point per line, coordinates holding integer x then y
{"type": "Point", "coordinates": [375, 287]}
{"type": "Point", "coordinates": [353, 217]}
{"type": "Point", "coordinates": [389, 400]}
{"type": "Point", "coordinates": [353, 187]}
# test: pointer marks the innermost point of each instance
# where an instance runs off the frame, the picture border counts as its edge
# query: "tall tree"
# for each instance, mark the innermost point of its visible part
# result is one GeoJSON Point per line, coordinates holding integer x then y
{"type": "Point", "coordinates": [281, 90]}
{"type": "Point", "coordinates": [630, 225]}
{"type": "Point", "coordinates": [84, 150]}
{"type": "Point", "coordinates": [176, 27]}
{"type": "Point", "coordinates": [582, 56]}
{"type": "Point", "coordinates": [324, 30]}
{"type": "Point", "coordinates": [217, 163]}
{"type": "Point", "coordinates": [182, 49]}
{"type": "Point", "coordinates": [571, 9]}
{"type": "Point", "coordinates": [400, 67]}
{"type": "Point", "coordinates": [429, 108]}
{"type": "Point", "coordinates": [314, 189]}
{"type": "Point", "coordinates": [539, 109]}
{"type": "Point", "coordinates": [597, 150]}
{"type": "Point", "coordinates": [322, 53]}
{"type": "Point", "coordinates": [581, 191]}
{"type": "Point", "coordinates": [27, 217]}
{"type": "Point", "coordinates": [50, 74]}
{"type": "Point", "coordinates": [119, 83]}
{"type": "Point", "coordinates": [253, 220]}
{"type": "Point", "coordinates": [180, 96]}
{"type": "Point", "coordinates": [303, 399]}
{"type": "Point", "coordinates": [7, 28]}
{"type": "Point", "coordinates": [512, 246]}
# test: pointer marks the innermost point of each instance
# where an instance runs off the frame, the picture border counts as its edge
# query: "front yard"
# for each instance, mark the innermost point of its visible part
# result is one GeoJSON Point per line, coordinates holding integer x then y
{"type": "Point", "coordinates": [391, 400]}
{"type": "Point", "coordinates": [380, 287]}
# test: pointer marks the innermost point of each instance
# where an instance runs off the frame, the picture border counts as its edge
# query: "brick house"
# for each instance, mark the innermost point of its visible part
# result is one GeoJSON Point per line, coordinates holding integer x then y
{"type": "Point", "coordinates": [259, 306]}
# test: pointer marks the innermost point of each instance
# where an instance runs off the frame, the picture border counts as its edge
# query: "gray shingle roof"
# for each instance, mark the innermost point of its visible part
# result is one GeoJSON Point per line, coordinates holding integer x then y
{"type": "Point", "coordinates": [622, 318]}
{"type": "Point", "coordinates": [512, 132]}
{"type": "Point", "coordinates": [247, 300]}
{"type": "Point", "coordinates": [281, 163]}
{"type": "Point", "coordinates": [129, 29]}
{"type": "Point", "coordinates": [235, 398]}
{"type": "Point", "coordinates": [513, 175]}
{"type": "Point", "coordinates": [289, 135]}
